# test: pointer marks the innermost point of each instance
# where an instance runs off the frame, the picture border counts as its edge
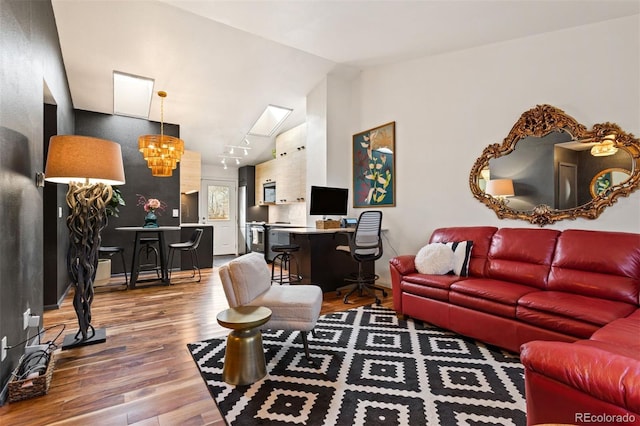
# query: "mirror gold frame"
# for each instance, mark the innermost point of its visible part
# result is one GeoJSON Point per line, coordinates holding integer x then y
{"type": "Point", "coordinates": [539, 122]}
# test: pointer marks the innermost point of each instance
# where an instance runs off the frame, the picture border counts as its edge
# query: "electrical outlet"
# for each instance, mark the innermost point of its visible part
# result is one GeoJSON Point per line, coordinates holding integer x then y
{"type": "Point", "coordinates": [34, 321]}
{"type": "Point", "coordinates": [3, 352]}
{"type": "Point", "coordinates": [176, 212]}
{"type": "Point", "coordinates": [25, 318]}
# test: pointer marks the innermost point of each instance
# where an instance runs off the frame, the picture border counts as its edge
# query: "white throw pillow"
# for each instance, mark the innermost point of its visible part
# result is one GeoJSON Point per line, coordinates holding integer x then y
{"type": "Point", "coordinates": [436, 259]}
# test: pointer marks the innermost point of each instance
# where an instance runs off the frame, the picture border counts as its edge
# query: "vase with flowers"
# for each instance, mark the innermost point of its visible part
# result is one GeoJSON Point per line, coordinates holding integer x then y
{"type": "Point", "coordinates": [152, 206]}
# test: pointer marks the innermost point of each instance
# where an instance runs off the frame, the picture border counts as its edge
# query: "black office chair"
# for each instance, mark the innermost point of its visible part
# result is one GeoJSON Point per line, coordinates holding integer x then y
{"type": "Point", "coordinates": [365, 245]}
{"type": "Point", "coordinates": [110, 251]}
{"type": "Point", "coordinates": [192, 247]}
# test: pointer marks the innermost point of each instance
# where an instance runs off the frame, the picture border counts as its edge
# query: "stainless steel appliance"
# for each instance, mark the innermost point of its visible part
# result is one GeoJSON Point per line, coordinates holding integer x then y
{"type": "Point", "coordinates": [248, 211]}
{"type": "Point", "coordinates": [257, 236]}
{"type": "Point", "coordinates": [269, 192]}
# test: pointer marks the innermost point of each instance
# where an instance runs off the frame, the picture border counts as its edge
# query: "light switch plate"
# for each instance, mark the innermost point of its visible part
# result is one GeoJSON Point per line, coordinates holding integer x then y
{"type": "Point", "coordinates": [176, 212]}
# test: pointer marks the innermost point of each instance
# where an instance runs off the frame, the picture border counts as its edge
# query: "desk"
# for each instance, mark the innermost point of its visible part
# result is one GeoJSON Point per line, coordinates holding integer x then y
{"type": "Point", "coordinates": [320, 263]}
{"type": "Point", "coordinates": [140, 233]}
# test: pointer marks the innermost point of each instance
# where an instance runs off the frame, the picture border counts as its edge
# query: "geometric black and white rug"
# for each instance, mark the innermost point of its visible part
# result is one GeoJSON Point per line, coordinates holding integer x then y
{"type": "Point", "coordinates": [370, 368]}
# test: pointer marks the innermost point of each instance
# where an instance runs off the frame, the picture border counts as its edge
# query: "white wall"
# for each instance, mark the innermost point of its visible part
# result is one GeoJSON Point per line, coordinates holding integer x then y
{"type": "Point", "coordinates": [447, 108]}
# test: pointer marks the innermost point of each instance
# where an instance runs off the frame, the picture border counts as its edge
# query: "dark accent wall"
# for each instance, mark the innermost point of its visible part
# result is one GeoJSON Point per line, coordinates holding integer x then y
{"type": "Point", "coordinates": [31, 64]}
{"type": "Point", "coordinates": [189, 208]}
{"type": "Point", "coordinates": [125, 131]}
{"type": "Point", "coordinates": [55, 233]}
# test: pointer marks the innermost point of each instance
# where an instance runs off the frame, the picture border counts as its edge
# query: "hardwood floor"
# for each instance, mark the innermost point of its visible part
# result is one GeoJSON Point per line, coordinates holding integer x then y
{"type": "Point", "coordinates": [143, 374]}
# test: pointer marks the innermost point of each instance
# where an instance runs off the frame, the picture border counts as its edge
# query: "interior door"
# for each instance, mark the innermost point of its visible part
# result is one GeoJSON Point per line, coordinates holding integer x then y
{"type": "Point", "coordinates": [567, 186]}
{"type": "Point", "coordinates": [219, 207]}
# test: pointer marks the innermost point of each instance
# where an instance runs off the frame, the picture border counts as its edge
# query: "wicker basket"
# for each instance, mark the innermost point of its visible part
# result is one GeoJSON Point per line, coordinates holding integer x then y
{"type": "Point", "coordinates": [29, 388]}
{"type": "Point", "coordinates": [327, 224]}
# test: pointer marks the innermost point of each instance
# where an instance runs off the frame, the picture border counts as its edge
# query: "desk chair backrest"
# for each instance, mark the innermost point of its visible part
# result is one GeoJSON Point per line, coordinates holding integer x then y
{"type": "Point", "coordinates": [366, 243]}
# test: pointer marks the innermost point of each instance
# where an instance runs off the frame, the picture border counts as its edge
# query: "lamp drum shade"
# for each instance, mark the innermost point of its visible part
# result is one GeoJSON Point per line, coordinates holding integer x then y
{"type": "Point", "coordinates": [74, 158]}
{"type": "Point", "coordinates": [500, 188]}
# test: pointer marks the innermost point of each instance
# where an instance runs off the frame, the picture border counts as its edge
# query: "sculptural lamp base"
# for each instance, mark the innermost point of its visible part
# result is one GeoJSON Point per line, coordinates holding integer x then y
{"type": "Point", "coordinates": [73, 341]}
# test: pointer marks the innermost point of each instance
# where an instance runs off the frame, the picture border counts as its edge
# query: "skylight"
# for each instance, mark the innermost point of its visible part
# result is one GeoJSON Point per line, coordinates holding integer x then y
{"type": "Point", "coordinates": [131, 95]}
{"type": "Point", "coordinates": [272, 117]}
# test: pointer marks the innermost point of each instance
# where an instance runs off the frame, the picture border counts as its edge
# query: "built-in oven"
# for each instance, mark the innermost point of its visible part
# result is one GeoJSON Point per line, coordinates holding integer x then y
{"type": "Point", "coordinates": [269, 192]}
{"type": "Point", "coordinates": [256, 236]}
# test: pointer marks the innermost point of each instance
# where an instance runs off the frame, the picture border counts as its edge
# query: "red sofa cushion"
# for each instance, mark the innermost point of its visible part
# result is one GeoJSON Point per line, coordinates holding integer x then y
{"type": "Point", "coordinates": [623, 332]}
{"type": "Point", "coordinates": [491, 296]}
{"type": "Point", "coordinates": [437, 281]}
{"type": "Point", "coordinates": [604, 265]}
{"type": "Point", "coordinates": [481, 237]}
{"type": "Point", "coordinates": [522, 256]}
{"type": "Point", "coordinates": [570, 313]}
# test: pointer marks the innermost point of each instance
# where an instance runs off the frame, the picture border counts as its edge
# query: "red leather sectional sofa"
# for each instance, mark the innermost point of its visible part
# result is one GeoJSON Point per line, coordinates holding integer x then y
{"type": "Point", "coordinates": [567, 301]}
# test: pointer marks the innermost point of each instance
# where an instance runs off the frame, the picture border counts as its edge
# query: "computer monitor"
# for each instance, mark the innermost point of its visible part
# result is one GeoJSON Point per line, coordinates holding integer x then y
{"type": "Point", "coordinates": [328, 201]}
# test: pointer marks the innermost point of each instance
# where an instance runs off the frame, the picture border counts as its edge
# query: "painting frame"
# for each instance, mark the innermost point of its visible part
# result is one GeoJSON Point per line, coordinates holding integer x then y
{"type": "Point", "coordinates": [373, 167]}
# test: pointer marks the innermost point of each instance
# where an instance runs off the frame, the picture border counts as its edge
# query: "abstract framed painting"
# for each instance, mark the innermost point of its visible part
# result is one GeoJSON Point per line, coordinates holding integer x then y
{"type": "Point", "coordinates": [374, 171]}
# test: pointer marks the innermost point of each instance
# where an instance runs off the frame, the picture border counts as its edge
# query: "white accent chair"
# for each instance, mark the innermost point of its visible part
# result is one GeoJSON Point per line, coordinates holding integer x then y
{"type": "Point", "coordinates": [247, 282]}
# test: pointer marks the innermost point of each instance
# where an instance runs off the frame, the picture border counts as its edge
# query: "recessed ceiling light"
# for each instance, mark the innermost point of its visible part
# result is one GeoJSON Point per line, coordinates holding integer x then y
{"type": "Point", "coordinates": [272, 117]}
{"type": "Point", "coordinates": [131, 95]}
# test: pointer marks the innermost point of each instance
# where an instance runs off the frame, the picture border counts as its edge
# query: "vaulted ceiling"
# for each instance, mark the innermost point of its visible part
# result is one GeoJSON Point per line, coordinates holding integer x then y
{"type": "Point", "coordinates": [223, 62]}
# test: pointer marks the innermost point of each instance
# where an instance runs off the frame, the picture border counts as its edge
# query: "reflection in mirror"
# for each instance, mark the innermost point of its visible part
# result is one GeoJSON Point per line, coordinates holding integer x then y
{"type": "Point", "coordinates": [558, 168]}
{"type": "Point", "coordinates": [554, 171]}
{"type": "Point", "coordinates": [607, 179]}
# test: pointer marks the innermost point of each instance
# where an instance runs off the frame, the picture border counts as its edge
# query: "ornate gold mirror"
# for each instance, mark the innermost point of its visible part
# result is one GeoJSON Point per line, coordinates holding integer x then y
{"type": "Point", "coordinates": [550, 167]}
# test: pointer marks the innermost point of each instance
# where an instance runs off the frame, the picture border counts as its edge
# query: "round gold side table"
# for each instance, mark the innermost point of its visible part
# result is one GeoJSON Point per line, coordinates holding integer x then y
{"type": "Point", "coordinates": [244, 361]}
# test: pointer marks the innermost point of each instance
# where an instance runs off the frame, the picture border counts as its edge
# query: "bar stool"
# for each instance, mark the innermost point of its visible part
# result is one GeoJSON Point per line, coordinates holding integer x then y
{"type": "Point", "coordinates": [284, 256]}
{"type": "Point", "coordinates": [190, 246]}
{"type": "Point", "coordinates": [110, 251]}
{"type": "Point", "coordinates": [148, 247]}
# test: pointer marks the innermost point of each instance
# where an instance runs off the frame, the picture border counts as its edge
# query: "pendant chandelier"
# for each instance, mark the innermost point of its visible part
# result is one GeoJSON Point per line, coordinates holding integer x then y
{"type": "Point", "coordinates": [161, 152]}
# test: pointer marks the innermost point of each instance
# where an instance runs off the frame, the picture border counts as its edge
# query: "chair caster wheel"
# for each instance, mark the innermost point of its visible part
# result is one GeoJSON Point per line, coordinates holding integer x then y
{"type": "Point", "coordinates": [345, 300]}
{"type": "Point", "coordinates": [384, 293]}
{"type": "Point", "coordinates": [378, 302]}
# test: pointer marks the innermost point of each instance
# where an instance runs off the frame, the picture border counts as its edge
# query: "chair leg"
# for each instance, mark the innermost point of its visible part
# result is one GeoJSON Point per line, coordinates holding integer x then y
{"type": "Point", "coordinates": [124, 268]}
{"type": "Point", "coordinates": [170, 262]}
{"type": "Point", "coordinates": [195, 264]}
{"type": "Point", "coordinates": [365, 284]}
{"type": "Point", "coordinates": [303, 335]}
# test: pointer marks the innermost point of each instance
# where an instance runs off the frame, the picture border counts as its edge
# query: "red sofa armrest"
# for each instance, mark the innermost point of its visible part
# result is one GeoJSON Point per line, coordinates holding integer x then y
{"type": "Point", "coordinates": [602, 374]}
{"type": "Point", "coordinates": [404, 264]}
{"type": "Point", "coordinates": [399, 266]}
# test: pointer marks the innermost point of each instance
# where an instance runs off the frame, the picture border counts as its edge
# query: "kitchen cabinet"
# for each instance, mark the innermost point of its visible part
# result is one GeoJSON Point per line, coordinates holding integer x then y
{"type": "Point", "coordinates": [265, 173]}
{"type": "Point", "coordinates": [288, 169]}
{"type": "Point", "coordinates": [291, 163]}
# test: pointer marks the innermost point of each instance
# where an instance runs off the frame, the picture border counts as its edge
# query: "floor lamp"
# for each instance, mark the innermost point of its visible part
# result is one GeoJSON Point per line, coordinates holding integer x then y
{"type": "Point", "coordinates": [89, 166]}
